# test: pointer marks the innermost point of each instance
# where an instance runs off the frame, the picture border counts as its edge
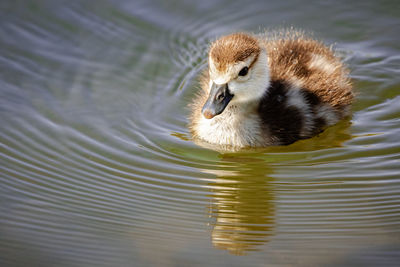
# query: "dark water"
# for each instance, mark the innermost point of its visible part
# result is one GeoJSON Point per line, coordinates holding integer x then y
{"type": "Point", "coordinates": [98, 168]}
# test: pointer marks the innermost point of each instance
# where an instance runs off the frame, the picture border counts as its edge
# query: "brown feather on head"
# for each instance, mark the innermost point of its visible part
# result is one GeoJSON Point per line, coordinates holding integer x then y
{"type": "Point", "coordinates": [231, 49]}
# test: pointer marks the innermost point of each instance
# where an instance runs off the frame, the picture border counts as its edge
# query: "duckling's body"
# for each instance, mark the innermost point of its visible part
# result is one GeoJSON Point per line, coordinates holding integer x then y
{"type": "Point", "coordinates": [258, 92]}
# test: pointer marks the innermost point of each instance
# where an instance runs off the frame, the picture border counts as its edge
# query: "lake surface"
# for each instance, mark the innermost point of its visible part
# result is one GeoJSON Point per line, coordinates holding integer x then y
{"type": "Point", "coordinates": [98, 167]}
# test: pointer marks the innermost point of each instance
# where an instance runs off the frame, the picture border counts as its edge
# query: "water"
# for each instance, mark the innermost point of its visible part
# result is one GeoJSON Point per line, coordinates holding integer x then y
{"type": "Point", "coordinates": [98, 167]}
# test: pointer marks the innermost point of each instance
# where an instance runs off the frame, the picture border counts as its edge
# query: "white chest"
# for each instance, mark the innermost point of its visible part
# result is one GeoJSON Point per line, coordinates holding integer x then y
{"type": "Point", "coordinates": [232, 129]}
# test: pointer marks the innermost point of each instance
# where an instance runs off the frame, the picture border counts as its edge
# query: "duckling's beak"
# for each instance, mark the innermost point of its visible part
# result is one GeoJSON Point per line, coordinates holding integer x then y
{"type": "Point", "coordinates": [217, 101]}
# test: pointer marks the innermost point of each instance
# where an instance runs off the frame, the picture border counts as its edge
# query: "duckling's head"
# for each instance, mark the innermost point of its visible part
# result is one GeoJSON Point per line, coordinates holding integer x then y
{"type": "Point", "coordinates": [239, 73]}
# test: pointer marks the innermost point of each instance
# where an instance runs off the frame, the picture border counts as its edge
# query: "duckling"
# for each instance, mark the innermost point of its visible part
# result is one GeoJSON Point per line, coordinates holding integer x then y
{"type": "Point", "coordinates": [260, 91]}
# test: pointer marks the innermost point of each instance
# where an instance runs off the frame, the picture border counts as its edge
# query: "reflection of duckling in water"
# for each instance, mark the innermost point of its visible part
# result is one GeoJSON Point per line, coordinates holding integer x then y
{"type": "Point", "coordinates": [243, 197]}
{"type": "Point", "coordinates": [259, 92]}
{"type": "Point", "coordinates": [243, 208]}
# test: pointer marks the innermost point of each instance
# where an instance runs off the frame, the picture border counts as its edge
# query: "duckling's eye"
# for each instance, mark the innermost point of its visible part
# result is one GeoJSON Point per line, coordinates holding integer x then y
{"type": "Point", "coordinates": [244, 71]}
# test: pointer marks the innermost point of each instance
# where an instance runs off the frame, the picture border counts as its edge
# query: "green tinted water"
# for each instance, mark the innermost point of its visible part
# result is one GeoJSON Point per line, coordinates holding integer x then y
{"type": "Point", "coordinates": [98, 167]}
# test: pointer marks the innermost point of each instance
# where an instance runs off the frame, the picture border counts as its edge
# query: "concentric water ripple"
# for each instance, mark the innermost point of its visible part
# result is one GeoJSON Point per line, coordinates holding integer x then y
{"type": "Point", "coordinates": [98, 167]}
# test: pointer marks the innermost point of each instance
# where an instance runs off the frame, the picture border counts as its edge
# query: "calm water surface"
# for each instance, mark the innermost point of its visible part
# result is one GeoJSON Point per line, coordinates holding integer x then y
{"type": "Point", "coordinates": [98, 167]}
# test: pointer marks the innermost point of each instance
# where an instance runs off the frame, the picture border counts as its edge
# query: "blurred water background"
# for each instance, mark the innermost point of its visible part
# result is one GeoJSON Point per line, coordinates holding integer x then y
{"type": "Point", "coordinates": [98, 167]}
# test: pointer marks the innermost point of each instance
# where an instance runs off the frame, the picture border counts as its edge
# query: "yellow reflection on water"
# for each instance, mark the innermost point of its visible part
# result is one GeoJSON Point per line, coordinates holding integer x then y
{"type": "Point", "coordinates": [243, 207]}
